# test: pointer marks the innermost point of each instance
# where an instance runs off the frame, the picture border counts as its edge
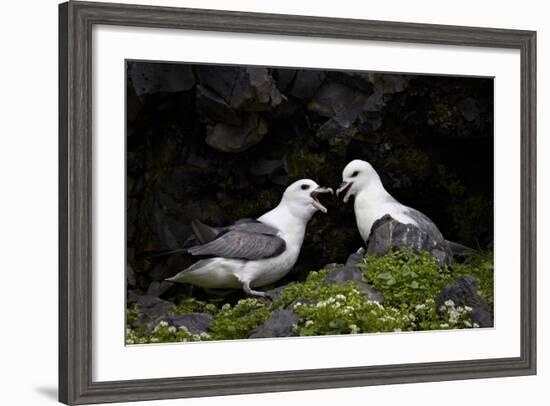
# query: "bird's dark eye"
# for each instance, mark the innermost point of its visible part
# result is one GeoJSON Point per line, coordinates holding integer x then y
{"type": "Point", "coordinates": [305, 187]}
{"type": "Point", "coordinates": [354, 174]}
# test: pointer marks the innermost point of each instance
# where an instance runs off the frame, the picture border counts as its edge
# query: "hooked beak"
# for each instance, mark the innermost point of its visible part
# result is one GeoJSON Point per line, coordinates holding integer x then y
{"type": "Point", "coordinates": [344, 188]}
{"type": "Point", "coordinates": [316, 203]}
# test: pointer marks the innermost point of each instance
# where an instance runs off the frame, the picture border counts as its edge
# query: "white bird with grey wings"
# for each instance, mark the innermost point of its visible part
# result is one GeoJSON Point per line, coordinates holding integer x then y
{"type": "Point", "coordinates": [254, 252]}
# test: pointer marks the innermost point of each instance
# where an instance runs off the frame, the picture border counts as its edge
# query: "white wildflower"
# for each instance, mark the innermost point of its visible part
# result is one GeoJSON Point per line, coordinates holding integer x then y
{"type": "Point", "coordinates": [353, 329]}
{"type": "Point", "coordinates": [444, 325]}
{"type": "Point", "coordinates": [476, 325]}
{"type": "Point", "coordinates": [467, 323]}
{"type": "Point", "coordinates": [453, 316]}
{"type": "Point", "coordinates": [468, 308]}
{"type": "Point", "coordinates": [309, 323]}
{"type": "Point", "coordinates": [183, 328]}
{"type": "Point", "coordinates": [420, 306]}
{"type": "Point", "coordinates": [340, 297]}
{"type": "Point", "coordinates": [449, 303]}
{"type": "Point", "coordinates": [172, 329]}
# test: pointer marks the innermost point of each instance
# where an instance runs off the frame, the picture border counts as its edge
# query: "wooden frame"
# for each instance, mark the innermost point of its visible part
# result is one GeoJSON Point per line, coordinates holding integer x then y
{"type": "Point", "coordinates": [75, 171]}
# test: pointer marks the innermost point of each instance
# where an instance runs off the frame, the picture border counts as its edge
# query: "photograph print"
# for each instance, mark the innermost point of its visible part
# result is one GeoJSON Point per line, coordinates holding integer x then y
{"type": "Point", "coordinates": [266, 202]}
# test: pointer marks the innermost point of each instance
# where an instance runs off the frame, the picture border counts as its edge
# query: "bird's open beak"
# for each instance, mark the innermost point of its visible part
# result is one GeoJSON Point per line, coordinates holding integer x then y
{"type": "Point", "coordinates": [316, 203]}
{"type": "Point", "coordinates": [344, 188]}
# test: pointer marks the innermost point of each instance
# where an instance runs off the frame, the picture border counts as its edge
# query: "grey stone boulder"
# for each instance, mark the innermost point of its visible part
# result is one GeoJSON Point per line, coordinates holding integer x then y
{"type": "Point", "coordinates": [338, 101]}
{"type": "Point", "coordinates": [306, 83]}
{"type": "Point", "coordinates": [388, 233]}
{"type": "Point", "coordinates": [255, 90]}
{"type": "Point", "coordinates": [279, 324]}
{"type": "Point", "coordinates": [228, 138]}
{"type": "Point", "coordinates": [249, 89]}
{"type": "Point", "coordinates": [340, 276]}
{"type": "Point", "coordinates": [356, 257]}
{"type": "Point", "coordinates": [196, 323]}
{"type": "Point", "coordinates": [463, 292]}
{"type": "Point", "coordinates": [357, 80]}
{"type": "Point", "coordinates": [219, 79]}
{"type": "Point", "coordinates": [213, 108]}
{"type": "Point", "coordinates": [275, 293]}
{"type": "Point", "coordinates": [152, 307]}
{"type": "Point", "coordinates": [152, 310]}
{"type": "Point", "coordinates": [150, 78]}
{"type": "Point", "coordinates": [157, 288]}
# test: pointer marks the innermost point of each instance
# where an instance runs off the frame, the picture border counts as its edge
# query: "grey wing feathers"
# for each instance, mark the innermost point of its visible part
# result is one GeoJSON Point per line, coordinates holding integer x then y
{"type": "Point", "coordinates": [203, 232]}
{"type": "Point", "coordinates": [241, 244]}
{"type": "Point", "coordinates": [425, 224]}
{"type": "Point", "coordinates": [254, 227]}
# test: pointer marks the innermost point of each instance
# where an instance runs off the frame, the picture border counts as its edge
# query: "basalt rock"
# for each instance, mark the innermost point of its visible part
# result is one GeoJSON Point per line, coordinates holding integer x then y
{"type": "Point", "coordinates": [463, 292]}
{"type": "Point", "coordinates": [388, 233]}
{"type": "Point", "coordinates": [279, 324]}
{"type": "Point", "coordinates": [342, 275]}
{"type": "Point", "coordinates": [227, 138]}
{"type": "Point", "coordinates": [148, 78]}
{"type": "Point", "coordinates": [196, 323]}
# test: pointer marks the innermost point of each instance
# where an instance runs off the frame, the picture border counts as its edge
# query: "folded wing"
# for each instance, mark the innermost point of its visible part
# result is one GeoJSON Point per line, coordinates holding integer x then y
{"type": "Point", "coordinates": [251, 241]}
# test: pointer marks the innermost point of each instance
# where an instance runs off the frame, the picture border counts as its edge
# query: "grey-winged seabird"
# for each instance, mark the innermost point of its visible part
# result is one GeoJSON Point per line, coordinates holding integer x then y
{"type": "Point", "coordinates": [253, 253]}
{"type": "Point", "coordinates": [372, 202]}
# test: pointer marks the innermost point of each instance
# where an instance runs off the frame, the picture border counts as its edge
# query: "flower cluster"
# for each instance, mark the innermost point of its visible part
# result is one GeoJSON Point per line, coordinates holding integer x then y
{"type": "Point", "coordinates": [409, 283]}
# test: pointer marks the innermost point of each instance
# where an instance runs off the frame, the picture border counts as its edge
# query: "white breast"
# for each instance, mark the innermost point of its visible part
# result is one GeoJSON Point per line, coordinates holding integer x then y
{"type": "Point", "coordinates": [368, 209]}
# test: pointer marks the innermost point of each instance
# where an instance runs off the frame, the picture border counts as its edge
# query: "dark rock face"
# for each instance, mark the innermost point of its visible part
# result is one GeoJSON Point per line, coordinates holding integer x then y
{"type": "Point", "coordinates": [350, 273]}
{"type": "Point", "coordinates": [388, 233]}
{"type": "Point", "coordinates": [157, 289]}
{"type": "Point", "coordinates": [150, 78]}
{"type": "Point", "coordinates": [152, 310]}
{"type": "Point", "coordinates": [229, 138]}
{"type": "Point", "coordinates": [342, 275]}
{"type": "Point", "coordinates": [356, 257]}
{"type": "Point", "coordinates": [219, 143]}
{"type": "Point", "coordinates": [275, 293]}
{"type": "Point", "coordinates": [196, 323]}
{"type": "Point", "coordinates": [153, 307]}
{"type": "Point", "coordinates": [463, 292]}
{"type": "Point", "coordinates": [279, 324]}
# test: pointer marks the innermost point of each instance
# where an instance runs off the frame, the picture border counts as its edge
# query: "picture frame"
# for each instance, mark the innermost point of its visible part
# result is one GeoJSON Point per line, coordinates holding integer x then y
{"type": "Point", "coordinates": [76, 384]}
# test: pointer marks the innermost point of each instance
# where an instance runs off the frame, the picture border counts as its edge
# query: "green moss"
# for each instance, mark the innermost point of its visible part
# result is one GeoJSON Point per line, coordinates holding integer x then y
{"type": "Point", "coordinates": [405, 278]}
{"type": "Point", "coordinates": [192, 305]}
{"type": "Point", "coordinates": [235, 322]}
{"type": "Point", "coordinates": [347, 312]}
{"type": "Point", "coordinates": [300, 164]}
{"type": "Point", "coordinates": [409, 282]}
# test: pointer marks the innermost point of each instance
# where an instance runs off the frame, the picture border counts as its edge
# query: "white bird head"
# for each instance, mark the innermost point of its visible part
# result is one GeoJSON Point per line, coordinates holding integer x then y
{"type": "Point", "coordinates": [301, 198]}
{"type": "Point", "coordinates": [357, 175]}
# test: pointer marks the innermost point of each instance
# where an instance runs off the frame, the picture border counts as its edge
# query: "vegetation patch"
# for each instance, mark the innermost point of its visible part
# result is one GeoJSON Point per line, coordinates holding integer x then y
{"type": "Point", "coordinates": [409, 282]}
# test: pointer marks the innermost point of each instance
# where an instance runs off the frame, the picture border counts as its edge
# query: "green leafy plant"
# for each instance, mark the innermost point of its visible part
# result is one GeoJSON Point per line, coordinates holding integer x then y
{"type": "Point", "coordinates": [409, 282]}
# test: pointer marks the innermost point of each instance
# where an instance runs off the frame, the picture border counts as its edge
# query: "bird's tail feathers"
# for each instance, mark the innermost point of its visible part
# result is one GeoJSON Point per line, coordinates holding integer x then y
{"type": "Point", "coordinates": [203, 232]}
{"type": "Point", "coordinates": [167, 252]}
{"type": "Point", "coordinates": [459, 249]}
